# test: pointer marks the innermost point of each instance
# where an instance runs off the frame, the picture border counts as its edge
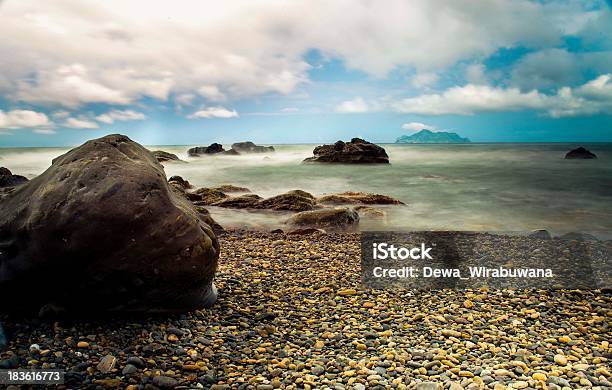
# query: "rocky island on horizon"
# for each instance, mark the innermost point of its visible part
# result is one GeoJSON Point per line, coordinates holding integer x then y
{"type": "Point", "coordinates": [432, 137]}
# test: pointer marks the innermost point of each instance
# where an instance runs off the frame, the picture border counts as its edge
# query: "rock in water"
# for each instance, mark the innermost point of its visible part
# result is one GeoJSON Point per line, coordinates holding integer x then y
{"type": "Point", "coordinates": [250, 147]}
{"type": "Point", "coordinates": [7, 179]}
{"type": "Point", "coordinates": [162, 156]}
{"type": "Point", "coordinates": [358, 198]}
{"type": "Point", "coordinates": [339, 218]}
{"type": "Point", "coordinates": [102, 230]}
{"type": "Point", "coordinates": [296, 200]}
{"type": "Point", "coordinates": [579, 153]}
{"type": "Point", "coordinates": [357, 151]}
{"type": "Point", "coordinates": [211, 149]}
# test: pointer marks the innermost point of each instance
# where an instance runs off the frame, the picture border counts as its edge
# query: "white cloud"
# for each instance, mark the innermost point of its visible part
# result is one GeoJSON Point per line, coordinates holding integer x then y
{"type": "Point", "coordinates": [212, 93]}
{"type": "Point", "coordinates": [422, 80]}
{"type": "Point", "coordinates": [356, 105]}
{"type": "Point", "coordinates": [18, 119]}
{"type": "Point", "coordinates": [120, 115]}
{"type": "Point", "coordinates": [290, 109]}
{"type": "Point", "coordinates": [80, 123]}
{"type": "Point", "coordinates": [117, 52]}
{"type": "Point", "coordinates": [213, 112]}
{"type": "Point", "coordinates": [417, 126]}
{"type": "Point", "coordinates": [591, 98]}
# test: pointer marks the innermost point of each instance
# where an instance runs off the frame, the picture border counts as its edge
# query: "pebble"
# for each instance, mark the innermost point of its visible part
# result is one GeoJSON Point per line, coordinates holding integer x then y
{"type": "Point", "coordinates": [560, 360]}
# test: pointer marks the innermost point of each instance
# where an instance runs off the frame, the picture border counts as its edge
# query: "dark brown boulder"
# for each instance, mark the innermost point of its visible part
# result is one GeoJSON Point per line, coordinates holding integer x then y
{"type": "Point", "coordinates": [179, 181]}
{"type": "Point", "coordinates": [106, 233]}
{"type": "Point", "coordinates": [250, 147]}
{"type": "Point", "coordinates": [231, 188]}
{"type": "Point", "coordinates": [162, 156]}
{"type": "Point", "coordinates": [579, 153]}
{"type": "Point", "coordinates": [296, 200]}
{"type": "Point", "coordinates": [357, 151]}
{"type": "Point", "coordinates": [7, 179]}
{"type": "Point", "coordinates": [358, 198]}
{"type": "Point", "coordinates": [211, 149]}
{"type": "Point", "coordinates": [334, 218]}
{"type": "Point", "coordinates": [207, 196]}
{"type": "Point", "coordinates": [248, 201]}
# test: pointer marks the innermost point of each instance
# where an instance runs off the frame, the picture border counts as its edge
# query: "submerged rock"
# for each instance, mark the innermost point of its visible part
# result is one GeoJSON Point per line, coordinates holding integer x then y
{"type": "Point", "coordinates": [341, 218]}
{"type": "Point", "coordinates": [250, 147]}
{"type": "Point", "coordinates": [106, 233]}
{"type": "Point", "coordinates": [162, 156]}
{"type": "Point", "coordinates": [579, 153]}
{"type": "Point", "coordinates": [248, 201]}
{"type": "Point", "coordinates": [180, 182]}
{"type": "Point", "coordinates": [231, 188]}
{"type": "Point", "coordinates": [211, 149]}
{"type": "Point", "coordinates": [7, 179]}
{"type": "Point", "coordinates": [207, 196]}
{"type": "Point", "coordinates": [358, 198]}
{"type": "Point", "coordinates": [371, 212]}
{"type": "Point", "coordinates": [357, 151]}
{"type": "Point", "coordinates": [296, 200]}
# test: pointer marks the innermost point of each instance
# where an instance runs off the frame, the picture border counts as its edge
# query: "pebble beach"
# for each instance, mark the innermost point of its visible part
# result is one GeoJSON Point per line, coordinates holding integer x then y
{"type": "Point", "coordinates": [292, 313]}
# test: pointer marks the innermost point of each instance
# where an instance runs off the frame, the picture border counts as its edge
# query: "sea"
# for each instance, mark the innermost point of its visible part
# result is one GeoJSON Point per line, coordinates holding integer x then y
{"type": "Point", "coordinates": [475, 187]}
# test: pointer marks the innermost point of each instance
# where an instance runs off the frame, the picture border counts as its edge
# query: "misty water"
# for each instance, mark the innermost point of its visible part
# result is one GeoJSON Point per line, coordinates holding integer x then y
{"type": "Point", "coordinates": [492, 187]}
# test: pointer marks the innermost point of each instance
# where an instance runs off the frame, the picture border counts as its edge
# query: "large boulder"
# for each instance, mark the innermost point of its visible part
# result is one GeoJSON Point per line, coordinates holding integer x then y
{"type": "Point", "coordinates": [102, 230]}
{"type": "Point", "coordinates": [579, 153]}
{"type": "Point", "coordinates": [7, 179]}
{"type": "Point", "coordinates": [296, 200]}
{"type": "Point", "coordinates": [357, 151]}
{"type": "Point", "coordinates": [162, 156]}
{"type": "Point", "coordinates": [335, 218]}
{"type": "Point", "coordinates": [211, 149]}
{"type": "Point", "coordinates": [250, 147]}
{"type": "Point", "coordinates": [358, 198]}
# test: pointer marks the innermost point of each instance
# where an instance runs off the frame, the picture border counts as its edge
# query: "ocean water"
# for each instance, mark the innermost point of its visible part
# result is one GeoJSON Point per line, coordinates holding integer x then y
{"type": "Point", "coordinates": [481, 187]}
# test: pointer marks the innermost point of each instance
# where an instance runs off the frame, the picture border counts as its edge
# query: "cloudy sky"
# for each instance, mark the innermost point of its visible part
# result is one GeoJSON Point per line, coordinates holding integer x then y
{"type": "Point", "coordinates": [194, 72]}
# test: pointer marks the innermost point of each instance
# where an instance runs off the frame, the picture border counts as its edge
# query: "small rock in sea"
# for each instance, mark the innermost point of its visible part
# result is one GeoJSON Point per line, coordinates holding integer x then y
{"type": "Point", "coordinates": [7, 179]}
{"type": "Point", "coordinates": [162, 156]}
{"type": "Point", "coordinates": [338, 218]}
{"type": "Point", "coordinates": [580, 153]}
{"type": "Point", "coordinates": [165, 382]}
{"type": "Point", "coordinates": [211, 149]}
{"type": "Point", "coordinates": [106, 364]}
{"type": "Point", "coordinates": [357, 151]}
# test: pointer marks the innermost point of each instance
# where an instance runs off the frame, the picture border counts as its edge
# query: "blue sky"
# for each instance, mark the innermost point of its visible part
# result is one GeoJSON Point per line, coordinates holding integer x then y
{"type": "Point", "coordinates": [304, 72]}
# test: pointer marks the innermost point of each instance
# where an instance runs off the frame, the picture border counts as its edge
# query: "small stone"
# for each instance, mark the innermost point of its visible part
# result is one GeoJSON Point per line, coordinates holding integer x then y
{"type": "Point", "coordinates": [136, 361]}
{"type": "Point", "coordinates": [429, 386]}
{"type": "Point", "coordinates": [361, 347]}
{"type": "Point", "coordinates": [347, 292]}
{"type": "Point", "coordinates": [317, 370]}
{"type": "Point", "coordinates": [565, 339]}
{"type": "Point", "coordinates": [173, 338]}
{"type": "Point", "coordinates": [319, 344]}
{"type": "Point", "coordinates": [519, 385]}
{"type": "Point", "coordinates": [82, 344]}
{"type": "Point", "coordinates": [560, 360]}
{"type": "Point", "coordinates": [34, 349]}
{"type": "Point", "coordinates": [129, 369]}
{"type": "Point", "coordinates": [468, 304]}
{"type": "Point", "coordinates": [539, 376]}
{"type": "Point", "coordinates": [107, 363]}
{"type": "Point", "coordinates": [165, 382]}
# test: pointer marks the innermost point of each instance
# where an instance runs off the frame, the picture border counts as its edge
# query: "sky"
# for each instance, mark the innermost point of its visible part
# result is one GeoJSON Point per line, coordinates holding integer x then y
{"type": "Point", "coordinates": [192, 72]}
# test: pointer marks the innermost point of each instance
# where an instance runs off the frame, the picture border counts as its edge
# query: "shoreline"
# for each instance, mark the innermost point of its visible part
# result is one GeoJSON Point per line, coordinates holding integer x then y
{"type": "Point", "coordinates": [292, 313]}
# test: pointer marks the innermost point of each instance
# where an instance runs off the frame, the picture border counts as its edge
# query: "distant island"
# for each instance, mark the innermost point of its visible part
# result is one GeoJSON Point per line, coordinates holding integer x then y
{"type": "Point", "coordinates": [429, 137]}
